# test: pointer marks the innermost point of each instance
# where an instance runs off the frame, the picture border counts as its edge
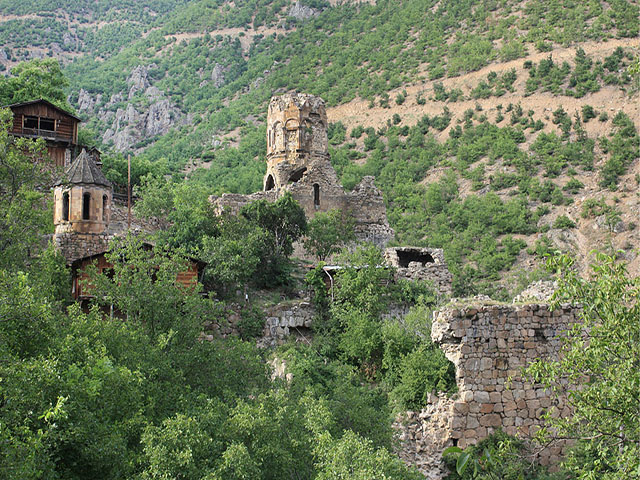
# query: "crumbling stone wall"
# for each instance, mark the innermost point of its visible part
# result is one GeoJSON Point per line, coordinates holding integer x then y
{"type": "Point", "coordinates": [489, 345]}
{"type": "Point", "coordinates": [232, 203]}
{"type": "Point", "coordinates": [429, 264]}
{"type": "Point", "coordinates": [289, 318]}
{"type": "Point", "coordinates": [285, 319]}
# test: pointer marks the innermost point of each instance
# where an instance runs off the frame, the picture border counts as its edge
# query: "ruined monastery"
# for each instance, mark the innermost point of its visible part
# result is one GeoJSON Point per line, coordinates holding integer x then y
{"type": "Point", "coordinates": [298, 162]}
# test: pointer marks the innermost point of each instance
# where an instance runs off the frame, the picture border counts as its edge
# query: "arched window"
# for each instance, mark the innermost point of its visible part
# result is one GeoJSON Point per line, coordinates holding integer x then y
{"type": "Point", "coordinates": [316, 195]}
{"type": "Point", "coordinates": [269, 184]}
{"type": "Point", "coordinates": [86, 204]}
{"type": "Point", "coordinates": [65, 206]}
{"type": "Point", "coordinates": [105, 201]}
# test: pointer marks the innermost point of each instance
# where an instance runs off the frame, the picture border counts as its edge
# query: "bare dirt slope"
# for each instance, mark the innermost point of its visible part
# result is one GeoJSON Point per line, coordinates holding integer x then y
{"type": "Point", "coordinates": [590, 234]}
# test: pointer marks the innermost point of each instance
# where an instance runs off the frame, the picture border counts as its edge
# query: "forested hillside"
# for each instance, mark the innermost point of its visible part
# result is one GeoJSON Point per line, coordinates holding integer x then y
{"type": "Point", "coordinates": [502, 131]}
{"type": "Point", "coordinates": [465, 111]}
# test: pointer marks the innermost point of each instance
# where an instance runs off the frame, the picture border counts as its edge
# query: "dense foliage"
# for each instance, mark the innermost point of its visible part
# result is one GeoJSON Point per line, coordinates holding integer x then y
{"type": "Point", "coordinates": [598, 371]}
{"type": "Point", "coordinates": [128, 389]}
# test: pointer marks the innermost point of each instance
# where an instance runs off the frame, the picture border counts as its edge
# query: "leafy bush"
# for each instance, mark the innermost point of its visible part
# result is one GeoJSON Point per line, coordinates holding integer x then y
{"type": "Point", "coordinates": [563, 222]}
{"type": "Point", "coordinates": [497, 456]}
{"type": "Point", "coordinates": [422, 371]}
{"type": "Point", "coordinates": [251, 323]}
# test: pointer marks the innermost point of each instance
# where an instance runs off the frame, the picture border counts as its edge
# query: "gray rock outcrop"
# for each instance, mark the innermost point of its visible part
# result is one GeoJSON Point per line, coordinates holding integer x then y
{"type": "Point", "coordinates": [217, 75]}
{"type": "Point", "coordinates": [139, 120]}
{"type": "Point", "coordinates": [301, 12]}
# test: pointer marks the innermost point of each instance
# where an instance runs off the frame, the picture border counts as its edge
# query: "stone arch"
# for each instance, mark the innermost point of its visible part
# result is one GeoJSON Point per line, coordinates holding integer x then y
{"type": "Point", "coordinates": [319, 139]}
{"type": "Point", "coordinates": [269, 183]}
{"type": "Point", "coordinates": [277, 136]}
{"type": "Point", "coordinates": [292, 128]}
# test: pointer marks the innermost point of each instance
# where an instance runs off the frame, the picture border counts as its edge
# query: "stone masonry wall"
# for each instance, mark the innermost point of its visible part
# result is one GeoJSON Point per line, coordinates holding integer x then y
{"type": "Point", "coordinates": [436, 271]}
{"type": "Point", "coordinates": [489, 345]}
{"type": "Point", "coordinates": [285, 319]}
{"type": "Point", "coordinates": [290, 318]}
{"type": "Point", "coordinates": [79, 245]}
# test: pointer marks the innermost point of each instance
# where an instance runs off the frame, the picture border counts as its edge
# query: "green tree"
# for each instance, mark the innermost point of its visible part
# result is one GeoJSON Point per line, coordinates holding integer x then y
{"type": "Point", "coordinates": [285, 222]}
{"type": "Point", "coordinates": [597, 371]}
{"type": "Point", "coordinates": [328, 232]}
{"type": "Point", "coordinates": [143, 286]}
{"type": "Point", "coordinates": [33, 80]}
{"type": "Point", "coordinates": [234, 255]}
{"type": "Point", "coordinates": [284, 219]}
{"type": "Point", "coordinates": [25, 212]}
{"type": "Point", "coordinates": [182, 209]}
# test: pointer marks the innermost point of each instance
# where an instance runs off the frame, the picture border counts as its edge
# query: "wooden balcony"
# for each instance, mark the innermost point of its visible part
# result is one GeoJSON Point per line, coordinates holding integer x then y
{"type": "Point", "coordinates": [41, 133]}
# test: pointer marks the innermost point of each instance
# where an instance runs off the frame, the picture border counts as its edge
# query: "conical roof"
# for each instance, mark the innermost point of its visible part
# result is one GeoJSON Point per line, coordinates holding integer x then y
{"type": "Point", "coordinates": [83, 170]}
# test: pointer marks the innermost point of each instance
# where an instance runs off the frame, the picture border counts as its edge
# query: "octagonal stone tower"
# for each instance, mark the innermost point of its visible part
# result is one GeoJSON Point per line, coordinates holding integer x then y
{"type": "Point", "coordinates": [296, 137]}
{"type": "Point", "coordinates": [82, 198]}
{"type": "Point", "coordinates": [82, 209]}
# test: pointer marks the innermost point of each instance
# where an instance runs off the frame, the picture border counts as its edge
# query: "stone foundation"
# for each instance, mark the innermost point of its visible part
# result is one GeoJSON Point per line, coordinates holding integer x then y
{"type": "Point", "coordinates": [74, 245]}
{"type": "Point", "coordinates": [288, 319]}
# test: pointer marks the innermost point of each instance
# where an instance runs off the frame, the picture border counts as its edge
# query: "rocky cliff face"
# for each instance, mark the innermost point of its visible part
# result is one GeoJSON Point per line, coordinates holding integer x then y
{"type": "Point", "coordinates": [302, 12]}
{"type": "Point", "coordinates": [147, 113]}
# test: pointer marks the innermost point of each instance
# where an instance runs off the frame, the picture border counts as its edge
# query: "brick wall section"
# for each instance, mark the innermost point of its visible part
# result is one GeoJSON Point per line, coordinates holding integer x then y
{"type": "Point", "coordinates": [489, 345]}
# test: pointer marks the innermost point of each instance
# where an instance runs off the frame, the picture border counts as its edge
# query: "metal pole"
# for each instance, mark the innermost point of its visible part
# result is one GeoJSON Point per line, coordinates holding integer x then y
{"type": "Point", "coordinates": [129, 192]}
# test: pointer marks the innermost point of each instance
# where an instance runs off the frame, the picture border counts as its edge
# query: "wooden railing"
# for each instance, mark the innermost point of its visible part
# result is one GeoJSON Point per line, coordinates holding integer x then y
{"type": "Point", "coordinates": [46, 134]}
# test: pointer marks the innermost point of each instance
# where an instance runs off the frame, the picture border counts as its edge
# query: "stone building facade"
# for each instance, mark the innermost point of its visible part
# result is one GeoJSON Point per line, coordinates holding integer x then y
{"type": "Point", "coordinates": [489, 345]}
{"type": "Point", "coordinates": [416, 263]}
{"type": "Point", "coordinates": [298, 162]}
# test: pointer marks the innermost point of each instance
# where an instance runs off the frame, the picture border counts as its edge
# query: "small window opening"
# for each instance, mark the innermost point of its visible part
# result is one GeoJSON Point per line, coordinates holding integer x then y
{"type": "Point", "coordinates": [30, 122]}
{"type": "Point", "coordinates": [65, 206]}
{"type": "Point", "coordinates": [269, 184]}
{"type": "Point", "coordinates": [405, 257]}
{"type": "Point", "coordinates": [316, 195]}
{"type": "Point", "coordinates": [86, 204]}
{"type": "Point", "coordinates": [105, 200]}
{"type": "Point", "coordinates": [48, 124]}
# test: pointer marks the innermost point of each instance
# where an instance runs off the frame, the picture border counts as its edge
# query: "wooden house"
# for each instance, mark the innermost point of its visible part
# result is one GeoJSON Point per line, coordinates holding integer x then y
{"type": "Point", "coordinates": [42, 119]}
{"type": "Point", "coordinates": [81, 290]}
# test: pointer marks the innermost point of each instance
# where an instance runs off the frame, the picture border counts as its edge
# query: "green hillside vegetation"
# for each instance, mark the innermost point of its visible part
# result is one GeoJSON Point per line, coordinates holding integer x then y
{"type": "Point", "coordinates": [365, 51]}
{"type": "Point", "coordinates": [336, 55]}
{"type": "Point", "coordinates": [84, 396]}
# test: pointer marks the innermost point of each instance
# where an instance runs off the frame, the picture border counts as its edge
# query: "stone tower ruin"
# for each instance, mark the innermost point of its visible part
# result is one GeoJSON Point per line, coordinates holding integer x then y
{"type": "Point", "coordinates": [82, 209]}
{"type": "Point", "coordinates": [296, 136]}
{"type": "Point", "coordinates": [298, 162]}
